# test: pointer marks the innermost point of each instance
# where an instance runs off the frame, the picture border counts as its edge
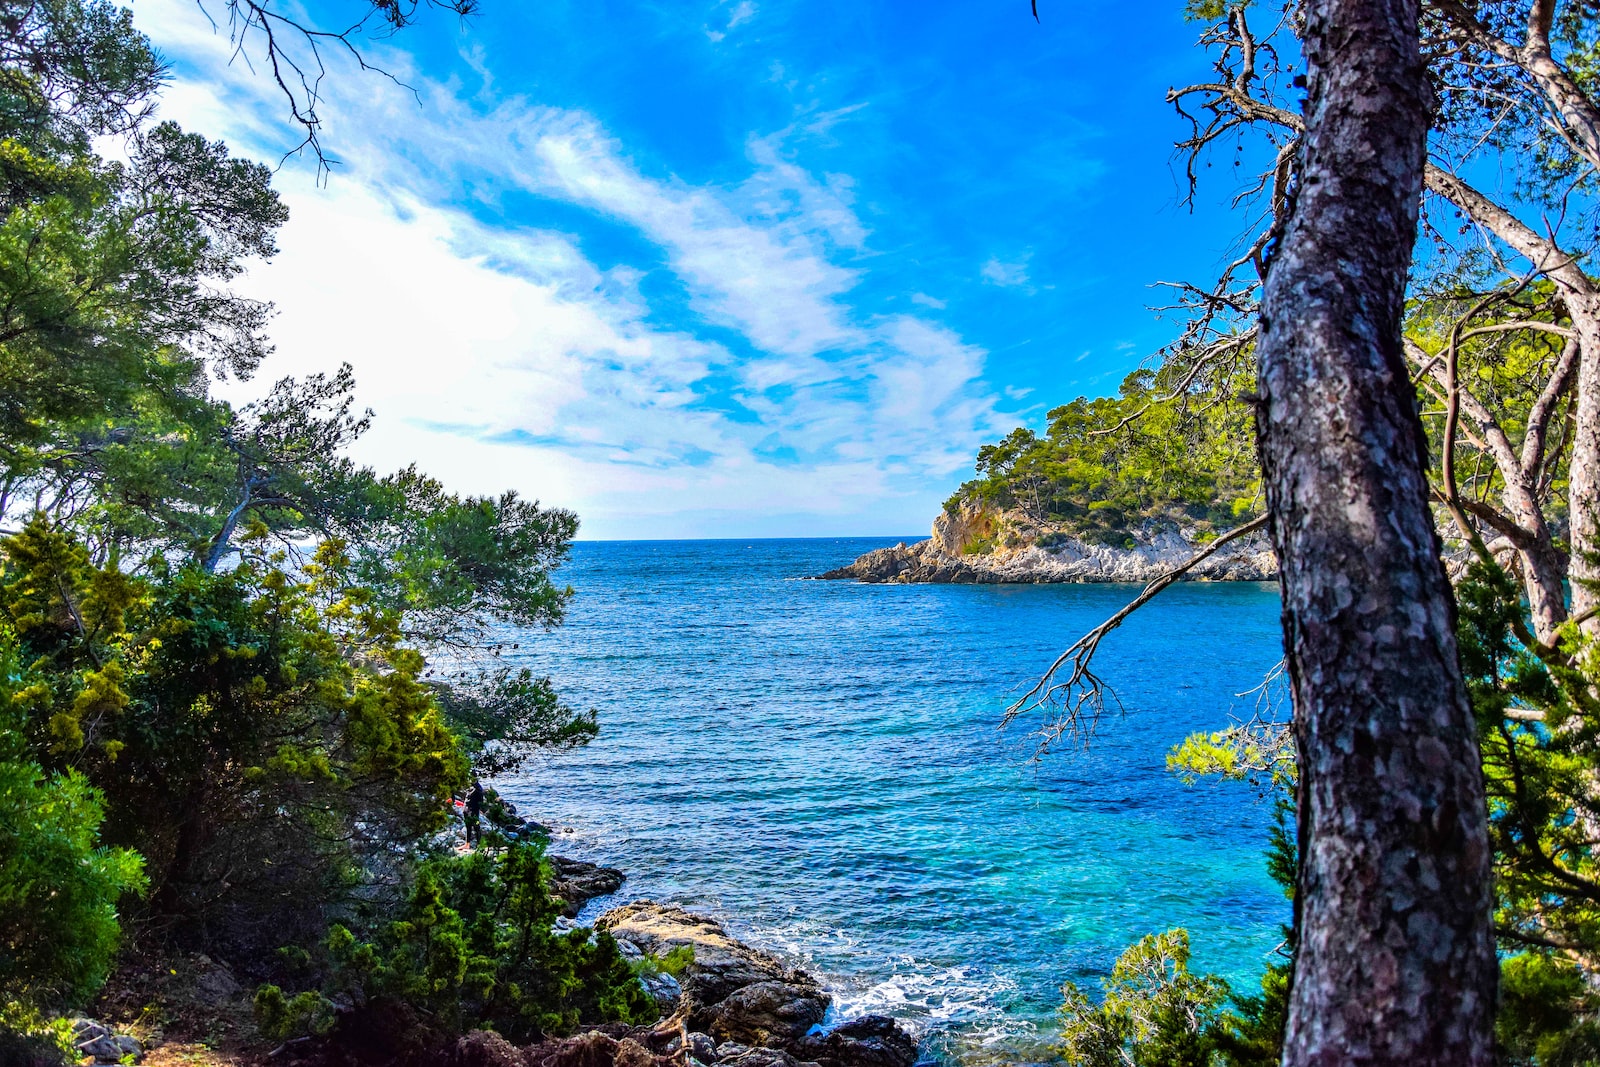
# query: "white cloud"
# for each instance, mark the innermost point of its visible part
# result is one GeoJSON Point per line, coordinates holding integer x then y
{"type": "Point", "coordinates": [501, 356]}
{"type": "Point", "coordinates": [997, 272]}
{"type": "Point", "coordinates": [742, 12]}
{"type": "Point", "coordinates": [927, 301]}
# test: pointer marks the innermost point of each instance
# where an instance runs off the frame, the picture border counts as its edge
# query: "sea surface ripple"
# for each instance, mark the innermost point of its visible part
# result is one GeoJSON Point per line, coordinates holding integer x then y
{"type": "Point", "coordinates": [819, 764]}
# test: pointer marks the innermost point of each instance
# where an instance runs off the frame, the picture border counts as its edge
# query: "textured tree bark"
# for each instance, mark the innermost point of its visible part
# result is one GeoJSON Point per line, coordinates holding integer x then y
{"type": "Point", "coordinates": [1396, 960]}
{"type": "Point", "coordinates": [1583, 472]}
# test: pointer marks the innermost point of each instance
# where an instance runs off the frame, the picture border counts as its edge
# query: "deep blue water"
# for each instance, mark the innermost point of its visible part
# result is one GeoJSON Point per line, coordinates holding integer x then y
{"type": "Point", "coordinates": [818, 763]}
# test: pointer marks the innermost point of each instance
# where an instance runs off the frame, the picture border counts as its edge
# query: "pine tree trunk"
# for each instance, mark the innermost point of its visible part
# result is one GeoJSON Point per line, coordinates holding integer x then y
{"type": "Point", "coordinates": [1396, 960]}
{"type": "Point", "coordinates": [1583, 481]}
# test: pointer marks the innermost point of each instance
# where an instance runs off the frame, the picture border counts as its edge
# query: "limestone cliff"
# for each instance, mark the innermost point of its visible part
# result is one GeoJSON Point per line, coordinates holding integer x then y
{"type": "Point", "coordinates": [976, 545]}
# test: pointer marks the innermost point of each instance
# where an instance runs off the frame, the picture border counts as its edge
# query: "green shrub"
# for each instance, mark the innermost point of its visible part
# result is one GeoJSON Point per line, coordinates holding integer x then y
{"type": "Point", "coordinates": [474, 947]}
{"type": "Point", "coordinates": [1155, 1013]}
{"type": "Point", "coordinates": [58, 891]}
{"type": "Point", "coordinates": [280, 1017]}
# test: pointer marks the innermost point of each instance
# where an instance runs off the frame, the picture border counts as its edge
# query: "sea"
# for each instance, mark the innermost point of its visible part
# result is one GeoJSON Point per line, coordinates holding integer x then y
{"type": "Point", "coordinates": [821, 765]}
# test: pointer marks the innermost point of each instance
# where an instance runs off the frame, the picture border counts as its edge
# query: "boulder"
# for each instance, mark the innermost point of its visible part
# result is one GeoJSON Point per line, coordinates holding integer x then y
{"type": "Point", "coordinates": [665, 989]}
{"type": "Point", "coordinates": [111, 1048]}
{"type": "Point", "coordinates": [702, 1047]}
{"type": "Point", "coordinates": [216, 986]}
{"type": "Point", "coordinates": [577, 882]}
{"type": "Point", "coordinates": [721, 964]}
{"type": "Point", "coordinates": [870, 1041]}
{"type": "Point", "coordinates": [774, 1014]}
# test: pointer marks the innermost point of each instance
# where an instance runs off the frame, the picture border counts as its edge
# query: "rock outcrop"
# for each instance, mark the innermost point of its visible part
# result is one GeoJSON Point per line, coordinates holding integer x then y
{"type": "Point", "coordinates": [577, 882]}
{"type": "Point", "coordinates": [739, 1007]}
{"type": "Point", "coordinates": [978, 546]}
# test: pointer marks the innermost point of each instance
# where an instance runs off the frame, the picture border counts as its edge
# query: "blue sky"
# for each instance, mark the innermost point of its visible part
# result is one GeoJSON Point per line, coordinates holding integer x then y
{"type": "Point", "coordinates": [724, 267]}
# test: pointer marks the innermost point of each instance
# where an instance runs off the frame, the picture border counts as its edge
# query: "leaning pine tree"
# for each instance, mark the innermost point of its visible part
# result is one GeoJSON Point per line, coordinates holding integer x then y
{"type": "Point", "coordinates": [1396, 959]}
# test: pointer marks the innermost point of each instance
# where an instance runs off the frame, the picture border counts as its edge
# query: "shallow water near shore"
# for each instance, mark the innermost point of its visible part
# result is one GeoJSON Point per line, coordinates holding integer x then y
{"type": "Point", "coordinates": [818, 763]}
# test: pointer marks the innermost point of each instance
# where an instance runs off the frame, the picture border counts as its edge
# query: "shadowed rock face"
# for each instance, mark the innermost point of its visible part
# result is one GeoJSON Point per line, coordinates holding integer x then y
{"type": "Point", "coordinates": [577, 882]}
{"type": "Point", "coordinates": [1019, 551]}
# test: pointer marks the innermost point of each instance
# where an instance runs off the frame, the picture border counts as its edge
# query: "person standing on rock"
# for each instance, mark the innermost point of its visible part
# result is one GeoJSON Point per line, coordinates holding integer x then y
{"type": "Point", "coordinates": [474, 809]}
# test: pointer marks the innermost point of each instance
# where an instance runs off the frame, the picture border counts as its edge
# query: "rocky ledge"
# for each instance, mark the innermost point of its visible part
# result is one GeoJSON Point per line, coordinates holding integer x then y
{"type": "Point", "coordinates": [732, 1006]}
{"type": "Point", "coordinates": [977, 546]}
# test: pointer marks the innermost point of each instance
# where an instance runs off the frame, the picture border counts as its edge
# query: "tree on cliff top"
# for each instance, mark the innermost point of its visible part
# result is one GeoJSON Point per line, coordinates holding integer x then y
{"type": "Point", "coordinates": [1163, 452]}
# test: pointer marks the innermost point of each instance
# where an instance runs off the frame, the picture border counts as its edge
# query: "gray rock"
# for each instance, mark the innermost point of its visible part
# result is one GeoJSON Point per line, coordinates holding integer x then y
{"type": "Point", "coordinates": [702, 1047]}
{"type": "Point", "coordinates": [88, 1030]}
{"type": "Point", "coordinates": [216, 986]}
{"type": "Point", "coordinates": [731, 1050]}
{"type": "Point", "coordinates": [775, 1014]}
{"type": "Point", "coordinates": [721, 964]}
{"type": "Point", "coordinates": [111, 1048]}
{"type": "Point", "coordinates": [577, 882]}
{"type": "Point", "coordinates": [664, 988]}
{"type": "Point", "coordinates": [870, 1041]}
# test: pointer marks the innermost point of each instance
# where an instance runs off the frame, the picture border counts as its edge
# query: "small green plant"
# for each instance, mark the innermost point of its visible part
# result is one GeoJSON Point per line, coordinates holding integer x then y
{"type": "Point", "coordinates": [281, 1017]}
{"type": "Point", "coordinates": [673, 963]}
{"type": "Point", "coordinates": [1155, 1012]}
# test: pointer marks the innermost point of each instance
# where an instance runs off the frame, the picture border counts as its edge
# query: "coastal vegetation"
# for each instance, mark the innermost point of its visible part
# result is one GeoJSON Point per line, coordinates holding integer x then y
{"type": "Point", "coordinates": [1158, 455]}
{"type": "Point", "coordinates": [241, 677]}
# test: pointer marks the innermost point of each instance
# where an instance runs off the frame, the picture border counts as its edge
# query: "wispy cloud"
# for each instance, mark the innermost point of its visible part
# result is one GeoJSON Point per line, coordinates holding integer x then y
{"type": "Point", "coordinates": [742, 12]}
{"type": "Point", "coordinates": [499, 353]}
{"type": "Point", "coordinates": [996, 271]}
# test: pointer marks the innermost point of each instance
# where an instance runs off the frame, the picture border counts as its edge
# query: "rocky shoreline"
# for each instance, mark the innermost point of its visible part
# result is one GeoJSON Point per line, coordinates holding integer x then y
{"type": "Point", "coordinates": [732, 1005]}
{"type": "Point", "coordinates": [979, 547]}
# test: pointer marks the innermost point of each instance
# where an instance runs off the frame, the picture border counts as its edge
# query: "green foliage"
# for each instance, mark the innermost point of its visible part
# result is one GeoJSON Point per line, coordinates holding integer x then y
{"type": "Point", "coordinates": [474, 947]}
{"type": "Point", "coordinates": [1154, 1013]}
{"type": "Point", "coordinates": [214, 626]}
{"type": "Point", "coordinates": [1548, 1012]}
{"type": "Point", "coordinates": [59, 888]}
{"type": "Point", "coordinates": [1109, 467]}
{"type": "Point", "coordinates": [1537, 728]}
{"type": "Point", "coordinates": [279, 1017]}
{"type": "Point", "coordinates": [674, 963]}
{"type": "Point", "coordinates": [504, 716]}
{"type": "Point", "coordinates": [239, 744]}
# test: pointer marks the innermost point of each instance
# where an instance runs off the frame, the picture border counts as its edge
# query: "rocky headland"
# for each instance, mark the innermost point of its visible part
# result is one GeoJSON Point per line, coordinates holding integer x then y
{"type": "Point", "coordinates": [976, 545]}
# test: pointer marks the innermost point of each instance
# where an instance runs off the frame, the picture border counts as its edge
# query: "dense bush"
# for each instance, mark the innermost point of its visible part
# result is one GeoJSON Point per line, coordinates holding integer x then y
{"type": "Point", "coordinates": [59, 888]}
{"type": "Point", "coordinates": [474, 947]}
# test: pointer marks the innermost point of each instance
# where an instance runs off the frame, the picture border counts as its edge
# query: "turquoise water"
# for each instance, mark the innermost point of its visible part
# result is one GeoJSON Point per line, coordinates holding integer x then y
{"type": "Point", "coordinates": [819, 764]}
